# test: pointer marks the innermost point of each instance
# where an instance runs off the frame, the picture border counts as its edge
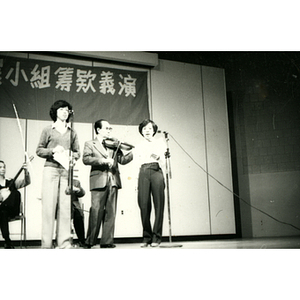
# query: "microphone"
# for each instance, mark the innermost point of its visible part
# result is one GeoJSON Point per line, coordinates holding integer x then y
{"type": "Point", "coordinates": [160, 131]}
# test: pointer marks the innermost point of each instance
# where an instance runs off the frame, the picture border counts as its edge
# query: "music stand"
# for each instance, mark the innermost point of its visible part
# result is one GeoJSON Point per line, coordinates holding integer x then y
{"type": "Point", "coordinates": [168, 176]}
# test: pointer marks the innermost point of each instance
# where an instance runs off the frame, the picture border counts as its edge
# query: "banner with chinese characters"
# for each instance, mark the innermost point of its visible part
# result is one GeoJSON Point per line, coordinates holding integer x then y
{"type": "Point", "coordinates": [120, 96]}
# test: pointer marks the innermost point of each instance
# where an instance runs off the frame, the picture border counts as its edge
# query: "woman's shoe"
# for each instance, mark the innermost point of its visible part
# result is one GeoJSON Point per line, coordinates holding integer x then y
{"type": "Point", "coordinates": [144, 245]}
{"type": "Point", "coordinates": [107, 246]}
{"type": "Point", "coordinates": [154, 244]}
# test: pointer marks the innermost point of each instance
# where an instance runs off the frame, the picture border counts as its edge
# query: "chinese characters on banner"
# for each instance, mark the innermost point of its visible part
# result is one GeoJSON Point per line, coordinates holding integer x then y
{"type": "Point", "coordinates": [120, 96]}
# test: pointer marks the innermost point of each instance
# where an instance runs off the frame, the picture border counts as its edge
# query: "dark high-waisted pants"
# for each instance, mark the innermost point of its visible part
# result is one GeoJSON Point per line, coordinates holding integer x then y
{"type": "Point", "coordinates": [151, 182]}
{"type": "Point", "coordinates": [103, 210]}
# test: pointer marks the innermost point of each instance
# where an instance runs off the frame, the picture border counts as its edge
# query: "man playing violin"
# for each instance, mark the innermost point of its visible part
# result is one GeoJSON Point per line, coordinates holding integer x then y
{"type": "Point", "coordinates": [10, 199]}
{"type": "Point", "coordinates": [105, 182]}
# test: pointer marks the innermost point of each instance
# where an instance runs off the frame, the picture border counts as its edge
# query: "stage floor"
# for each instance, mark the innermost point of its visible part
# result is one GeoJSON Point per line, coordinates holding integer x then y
{"type": "Point", "coordinates": [254, 243]}
{"type": "Point", "coordinates": [251, 243]}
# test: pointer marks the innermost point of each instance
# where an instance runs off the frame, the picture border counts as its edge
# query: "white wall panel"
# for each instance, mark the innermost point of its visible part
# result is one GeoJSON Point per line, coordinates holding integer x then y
{"type": "Point", "coordinates": [12, 146]}
{"type": "Point", "coordinates": [177, 109]}
{"type": "Point", "coordinates": [218, 151]}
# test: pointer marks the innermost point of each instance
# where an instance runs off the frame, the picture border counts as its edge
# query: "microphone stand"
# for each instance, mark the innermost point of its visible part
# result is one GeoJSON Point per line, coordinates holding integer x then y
{"type": "Point", "coordinates": [168, 176]}
{"type": "Point", "coordinates": [71, 163]}
{"type": "Point", "coordinates": [69, 189]}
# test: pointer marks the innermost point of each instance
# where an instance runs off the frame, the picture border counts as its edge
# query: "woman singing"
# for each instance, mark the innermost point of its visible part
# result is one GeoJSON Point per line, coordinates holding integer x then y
{"type": "Point", "coordinates": [150, 154]}
{"type": "Point", "coordinates": [54, 145]}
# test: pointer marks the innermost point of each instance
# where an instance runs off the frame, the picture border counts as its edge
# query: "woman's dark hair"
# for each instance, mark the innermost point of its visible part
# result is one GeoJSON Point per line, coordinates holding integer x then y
{"type": "Point", "coordinates": [145, 123]}
{"type": "Point", "coordinates": [56, 105]}
{"type": "Point", "coordinates": [98, 124]}
{"type": "Point", "coordinates": [1, 161]}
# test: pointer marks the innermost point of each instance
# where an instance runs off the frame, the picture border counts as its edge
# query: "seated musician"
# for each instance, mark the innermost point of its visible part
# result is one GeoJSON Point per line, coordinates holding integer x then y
{"type": "Point", "coordinates": [77, 214]}
{"type": "Point", "coordinates": [10, 199]}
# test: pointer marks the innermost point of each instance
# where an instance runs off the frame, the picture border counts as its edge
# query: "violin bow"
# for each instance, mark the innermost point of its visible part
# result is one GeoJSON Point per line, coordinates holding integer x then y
{"type": "Point", "coordinates": [21, 132]}
{"type": "Point", "coordinates": [117, 149]}
{"type": "Point", "coordinates": [27, 158]}
{"type": "Point", "coordinates": [19, 172]}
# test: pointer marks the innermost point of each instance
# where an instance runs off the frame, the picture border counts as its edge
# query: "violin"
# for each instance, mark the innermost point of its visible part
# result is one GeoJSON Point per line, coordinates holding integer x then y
{"type": "Point", "coordinates": [113, 143]}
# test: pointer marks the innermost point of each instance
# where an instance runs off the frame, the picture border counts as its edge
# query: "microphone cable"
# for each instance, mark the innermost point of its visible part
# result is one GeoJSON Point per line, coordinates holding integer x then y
{"type": "Point", "coordinates": [220, 183]}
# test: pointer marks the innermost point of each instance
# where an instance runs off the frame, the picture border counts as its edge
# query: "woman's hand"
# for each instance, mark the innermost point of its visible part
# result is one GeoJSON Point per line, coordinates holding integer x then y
{"type": "Point", "coordinates": [58, 149]}
{"type": "Point", "coordinates": [156, 157]}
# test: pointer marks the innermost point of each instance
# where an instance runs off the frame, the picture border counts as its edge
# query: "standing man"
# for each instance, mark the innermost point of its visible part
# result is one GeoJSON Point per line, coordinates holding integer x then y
{"type": "Point", "coordinates": [104, 184]}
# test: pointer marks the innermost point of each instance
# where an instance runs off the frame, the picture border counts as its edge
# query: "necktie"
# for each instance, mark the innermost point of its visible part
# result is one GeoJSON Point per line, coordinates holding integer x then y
{"type": "Point", "coordinates": [103, 143]}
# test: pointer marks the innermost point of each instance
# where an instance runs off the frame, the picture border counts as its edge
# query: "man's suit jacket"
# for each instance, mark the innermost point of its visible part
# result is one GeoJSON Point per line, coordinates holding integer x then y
{"type": "Point", "coordinates": [94, 154]}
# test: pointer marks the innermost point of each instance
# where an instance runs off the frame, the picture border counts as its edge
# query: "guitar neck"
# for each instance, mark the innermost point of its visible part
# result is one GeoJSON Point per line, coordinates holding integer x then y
{"type": "Point", "coordinates": [18, 174]}
{"type": "Point", "coordinates": [15, 178]}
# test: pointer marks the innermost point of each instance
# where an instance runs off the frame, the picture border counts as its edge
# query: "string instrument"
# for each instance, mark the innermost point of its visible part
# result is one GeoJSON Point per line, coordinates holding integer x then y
{"type": "Point", "coordinates": [71, 161]}
{"type": "Point", "coordinates": [72, 174]}
{"type": "Point", "coordinates": [7, 195]}
{"type": "Point", "coordinates": [115, 144]}
{"type": "Point", "coordinates": [69, 189]}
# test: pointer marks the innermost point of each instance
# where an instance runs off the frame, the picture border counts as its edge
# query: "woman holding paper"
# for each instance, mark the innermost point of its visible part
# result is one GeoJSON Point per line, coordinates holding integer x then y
{"type": "Point", "coordinates": [54, 146]}
{"type": "Point", "coordinates": [150, 155]}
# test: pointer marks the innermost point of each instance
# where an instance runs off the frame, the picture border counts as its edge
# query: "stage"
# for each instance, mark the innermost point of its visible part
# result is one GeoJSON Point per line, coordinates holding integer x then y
{"type": "Point", "coordinates": [246, 243]}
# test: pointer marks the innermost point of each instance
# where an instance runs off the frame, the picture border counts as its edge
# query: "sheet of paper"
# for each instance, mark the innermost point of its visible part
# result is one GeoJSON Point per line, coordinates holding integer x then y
{"type": "Point", "coordinates": [62, 158]}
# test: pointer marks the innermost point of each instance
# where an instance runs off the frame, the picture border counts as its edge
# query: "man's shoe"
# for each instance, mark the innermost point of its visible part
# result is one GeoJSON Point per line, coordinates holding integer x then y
{"type": "Point", "coordinates": [155, 244]}
{"type": "Point", "coordinates": [144, 245]}
{"type": "Point", "coordinates": [82, 245]}
{"type": "Point", "coordinates": [107, 246]}
{"type": "Point", "coordinates": [8, 246]}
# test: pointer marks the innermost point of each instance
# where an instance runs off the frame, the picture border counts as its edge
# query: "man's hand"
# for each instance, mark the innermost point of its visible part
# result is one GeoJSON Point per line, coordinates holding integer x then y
{"type": "Point", "coordinates": [109, 161]}
{"type": "Point", "coordinates": [76, 189]}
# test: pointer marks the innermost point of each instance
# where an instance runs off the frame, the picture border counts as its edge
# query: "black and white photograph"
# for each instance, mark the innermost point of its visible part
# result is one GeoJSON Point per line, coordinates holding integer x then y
{"type": "Point", "coordinates": [173, 167]}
